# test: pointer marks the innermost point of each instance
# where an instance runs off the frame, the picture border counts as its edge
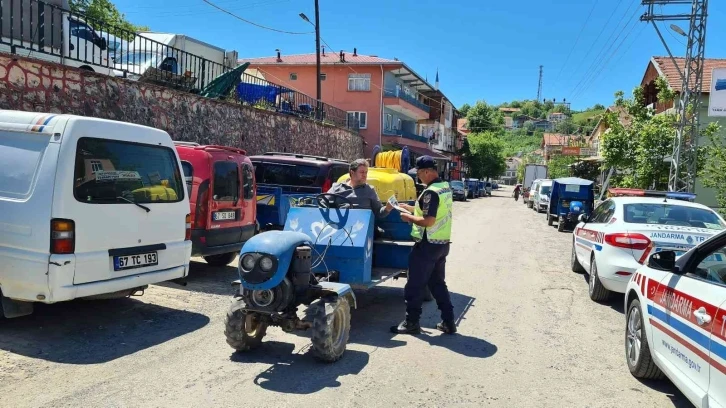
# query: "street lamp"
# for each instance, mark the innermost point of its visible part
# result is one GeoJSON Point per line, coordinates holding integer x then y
{"type": "Point", "coordinates": [317, 53]}
{"type": "Point", "coordinates": [679, 30]}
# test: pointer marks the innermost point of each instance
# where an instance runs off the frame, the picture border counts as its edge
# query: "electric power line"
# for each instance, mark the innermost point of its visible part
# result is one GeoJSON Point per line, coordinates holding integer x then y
{"type": "Point", "coordinates": [592, 47]}
{"type": "Point", "coordinates": [253, 23]}
{"type": "Point", "coordinates": [606, 61]}
{"type": "Point", "coordinates": [601, 58]}
{"type": "Point", "coordinates": [575, 44]}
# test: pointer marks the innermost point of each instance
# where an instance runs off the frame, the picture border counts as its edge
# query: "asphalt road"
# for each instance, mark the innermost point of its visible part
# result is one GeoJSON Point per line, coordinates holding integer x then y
{"type": "Point", "coordinates": [528, 337]}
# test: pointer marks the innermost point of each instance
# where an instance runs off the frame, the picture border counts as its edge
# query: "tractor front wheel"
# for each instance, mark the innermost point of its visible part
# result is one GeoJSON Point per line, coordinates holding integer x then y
{"type": "Point", "coordinates": [244, 330]}
{"type": "Point", "coordinates": [331, 328]}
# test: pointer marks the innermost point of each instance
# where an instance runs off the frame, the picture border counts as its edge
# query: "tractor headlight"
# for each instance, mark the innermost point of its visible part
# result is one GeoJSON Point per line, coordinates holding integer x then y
{"type": "Point", "coordinates": [266, 263]}
{"type": "Point", "coordinates": [248, 263]}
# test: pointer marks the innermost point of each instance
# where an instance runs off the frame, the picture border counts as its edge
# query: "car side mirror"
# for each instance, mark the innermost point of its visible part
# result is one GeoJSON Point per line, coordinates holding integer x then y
{"type": "Point", "coordinates": [582, 218]}
{"type": "Point", "coordinates": [664, 261]}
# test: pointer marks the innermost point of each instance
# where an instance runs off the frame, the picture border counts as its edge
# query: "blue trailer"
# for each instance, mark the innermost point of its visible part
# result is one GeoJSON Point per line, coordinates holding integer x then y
{"type": "Point", "coordinates": [325, 250]}
{"type": "Point", "coordinates": [274, 202]}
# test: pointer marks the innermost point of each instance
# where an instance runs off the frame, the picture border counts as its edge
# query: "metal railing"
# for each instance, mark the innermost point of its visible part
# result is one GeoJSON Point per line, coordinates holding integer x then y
{"type": "Point", "coordinates": [43, 27]}
{"type": "Point", "coordinates": [261, 93]}
{"type": "Point", "coordinates": [406, 134]}
{"type": "Point", "coordinates": [406, 97]}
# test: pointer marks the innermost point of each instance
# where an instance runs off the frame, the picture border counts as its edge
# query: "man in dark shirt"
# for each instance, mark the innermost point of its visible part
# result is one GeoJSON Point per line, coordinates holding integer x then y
{"type": "Point", "coordinates": [431, 230]}
{"type": "Point", "coordinates": [360, 194]}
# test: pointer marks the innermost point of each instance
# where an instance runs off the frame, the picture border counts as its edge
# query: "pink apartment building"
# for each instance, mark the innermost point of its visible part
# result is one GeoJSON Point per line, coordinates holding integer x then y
{"type": "Point", "coordinates": [385, 96]}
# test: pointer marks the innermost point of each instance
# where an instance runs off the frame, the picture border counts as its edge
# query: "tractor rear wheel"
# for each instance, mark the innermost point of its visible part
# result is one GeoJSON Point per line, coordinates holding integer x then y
{"type": "Point", "coordinates": [331, 328]}
{"type": "Point", "coordinates": [244, 330]}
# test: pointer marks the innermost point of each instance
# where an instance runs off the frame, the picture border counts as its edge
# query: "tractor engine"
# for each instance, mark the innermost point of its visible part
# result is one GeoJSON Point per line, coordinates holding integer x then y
{"type": "Point", "coordinates": [257, 269]}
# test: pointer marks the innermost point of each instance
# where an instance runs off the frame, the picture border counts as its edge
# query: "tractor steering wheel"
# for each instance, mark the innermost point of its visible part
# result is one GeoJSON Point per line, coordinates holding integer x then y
{"type": "Point", "coordinates": [333, 201]}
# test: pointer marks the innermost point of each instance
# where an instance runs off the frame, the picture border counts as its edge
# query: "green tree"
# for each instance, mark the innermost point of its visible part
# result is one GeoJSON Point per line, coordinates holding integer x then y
{"type": "Point", "coordinates": [559, 166]}
{"type": "Point", "coordinates": [487, 155]}
{"type": "Point", "coordinates": [639, 149]}
{"type": "Point", "coordinates": [104, 11]}
{"type": "Point", "coordinates": [482, 117]}
{"type": "Point", "coordinates": [714, 162]}
{"type": "Point", "coordinates": [464, 109]}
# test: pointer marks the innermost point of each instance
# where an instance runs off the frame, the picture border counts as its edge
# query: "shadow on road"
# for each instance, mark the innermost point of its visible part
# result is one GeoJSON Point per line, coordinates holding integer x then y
{"type": "Point", "coordinates": [383, 307]}
{"type": "Point", "coordinates": [94, 331]}
{"type": "Point", "coordinates": [378, 309]}
{"type": "Point", "coordinates": [299, 373]}
{"type": "Point", "coordinates": [666, 387]}
{"type": "Point", "coordinates": [616, 300]}
{"type": "Point", "coordinates": [205, 278]}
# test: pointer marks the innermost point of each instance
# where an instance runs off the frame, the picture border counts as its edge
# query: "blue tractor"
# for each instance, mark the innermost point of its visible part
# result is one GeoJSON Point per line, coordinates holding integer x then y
{"type": "Point", "coordinates": [326, 249]}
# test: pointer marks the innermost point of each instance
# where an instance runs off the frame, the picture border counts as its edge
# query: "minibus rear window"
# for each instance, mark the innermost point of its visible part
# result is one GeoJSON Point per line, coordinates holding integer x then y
{"type": "Point", "coordinates": [116, 172]}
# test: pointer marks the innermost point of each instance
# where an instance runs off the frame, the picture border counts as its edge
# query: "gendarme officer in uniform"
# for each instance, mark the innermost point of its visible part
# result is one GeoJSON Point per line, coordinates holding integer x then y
{"type": "Point", "coordinates": [431, 230]}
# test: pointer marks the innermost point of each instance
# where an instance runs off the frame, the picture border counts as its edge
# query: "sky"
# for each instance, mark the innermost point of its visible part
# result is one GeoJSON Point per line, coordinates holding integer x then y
{"type": "Point", "coordinates": [483, 49]}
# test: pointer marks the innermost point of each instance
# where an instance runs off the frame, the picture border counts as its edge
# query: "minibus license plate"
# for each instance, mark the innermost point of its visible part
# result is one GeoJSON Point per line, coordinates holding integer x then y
{"type": "Point", "coordinates": [134, 261]}
{"type": "Point", "coordinates": [224, 215]}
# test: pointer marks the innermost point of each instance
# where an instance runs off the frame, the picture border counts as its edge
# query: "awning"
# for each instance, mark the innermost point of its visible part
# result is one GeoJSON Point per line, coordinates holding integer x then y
{"type": "Point", "coordinates": [421, 151]}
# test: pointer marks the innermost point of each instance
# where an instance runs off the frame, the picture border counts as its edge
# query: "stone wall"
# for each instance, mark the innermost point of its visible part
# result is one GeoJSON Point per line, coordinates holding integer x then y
{"type": "Point", "coordinates": [33, 85]}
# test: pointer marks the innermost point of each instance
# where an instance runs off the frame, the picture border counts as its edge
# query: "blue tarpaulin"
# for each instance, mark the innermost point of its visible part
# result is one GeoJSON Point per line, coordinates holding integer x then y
{"type": "Point", "coordinates": [253, 93]}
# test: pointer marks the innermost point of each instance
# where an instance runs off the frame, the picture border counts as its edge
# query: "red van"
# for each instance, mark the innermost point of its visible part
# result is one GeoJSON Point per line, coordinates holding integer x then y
{"type": "Point", "coordinates": [221, 186]}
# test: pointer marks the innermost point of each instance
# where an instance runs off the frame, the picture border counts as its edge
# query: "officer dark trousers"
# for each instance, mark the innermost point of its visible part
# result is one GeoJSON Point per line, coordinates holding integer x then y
{"type": "Point", "coordinates": [426, 267]}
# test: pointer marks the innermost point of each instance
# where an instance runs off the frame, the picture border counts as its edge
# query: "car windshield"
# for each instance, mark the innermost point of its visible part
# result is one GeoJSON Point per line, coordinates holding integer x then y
{"type": "Point", "coordinates": [670, 214]}
{"type": "Point", "coordinates": [286, 174]}
{"type": "Point", "coordinates": [111, 171]}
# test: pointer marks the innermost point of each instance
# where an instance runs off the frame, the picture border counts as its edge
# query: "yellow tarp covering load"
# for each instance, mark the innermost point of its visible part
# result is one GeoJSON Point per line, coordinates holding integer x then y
{"type": "Point", "coordinates": [387, 179]}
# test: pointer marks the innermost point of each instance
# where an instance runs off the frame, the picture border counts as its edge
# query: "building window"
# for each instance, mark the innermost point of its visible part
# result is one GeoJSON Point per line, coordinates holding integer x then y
{"type": "Point", "coordinates": [359, 82]}
{"type": "Point", "coordinates": [358, 117]}
{"type": "Point", "coordinates": [323, 77]}
{"type": "Point", "coordinates": [293, 76]}
{"type": "Point", "coordinates": [96, 166]}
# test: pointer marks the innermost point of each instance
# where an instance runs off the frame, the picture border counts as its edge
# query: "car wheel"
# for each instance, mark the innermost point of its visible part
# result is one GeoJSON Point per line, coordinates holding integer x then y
{"type": "Point", "coordinates": [637, 351]}
{"type": "Point", "coordinates": [221, 259]}
{"type": "Point", "coordinates": [574, 263]}
{"type": "Point", "coordinates": [596, 290]}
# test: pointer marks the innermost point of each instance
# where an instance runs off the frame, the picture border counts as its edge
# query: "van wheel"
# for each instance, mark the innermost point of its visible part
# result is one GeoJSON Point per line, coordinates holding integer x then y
{"type": "Point", "coordinates": [221, 259]}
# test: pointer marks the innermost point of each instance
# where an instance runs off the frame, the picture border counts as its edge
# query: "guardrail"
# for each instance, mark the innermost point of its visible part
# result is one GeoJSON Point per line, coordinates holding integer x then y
{"type": "Point", "coordinates": [36, 27]}
{"type": "Point", "coordinates": [43, 29]}
{"type": "Point", "coordinates": [261, 93]}
{"type": "Point", "coordinates": [406, 134]}
{"type": "Point", "coordinates": [406, 97]}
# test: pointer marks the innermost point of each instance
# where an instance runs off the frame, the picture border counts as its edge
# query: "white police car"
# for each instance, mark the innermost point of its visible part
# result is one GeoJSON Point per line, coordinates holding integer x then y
{"type": "Point", "coordinates": [623, 231]}
{"type": "Point", "coordinates": [676, 321]}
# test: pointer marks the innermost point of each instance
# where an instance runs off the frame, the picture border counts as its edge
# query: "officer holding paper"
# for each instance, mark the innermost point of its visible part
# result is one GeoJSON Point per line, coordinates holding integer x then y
{"type": "Point", "coordinates": [431, 218]}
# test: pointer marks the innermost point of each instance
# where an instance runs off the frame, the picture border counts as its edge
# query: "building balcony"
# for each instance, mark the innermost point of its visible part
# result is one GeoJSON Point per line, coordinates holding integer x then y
{"type": "Point", "coordinates": [405, 134]}
{"type": "Point", "coordinates": [404, 104]}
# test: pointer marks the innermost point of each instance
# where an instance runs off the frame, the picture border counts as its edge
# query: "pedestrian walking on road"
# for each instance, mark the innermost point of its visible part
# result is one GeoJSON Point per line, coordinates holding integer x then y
{"type": "Point", "coordinates": [431, 230]}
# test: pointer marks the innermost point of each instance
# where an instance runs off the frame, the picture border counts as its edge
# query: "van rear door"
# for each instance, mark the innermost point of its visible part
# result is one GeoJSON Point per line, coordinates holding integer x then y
{"type": "Point", "coordinates": [126, 198]}
{"type": "Point", "coordinates": [226, 203]}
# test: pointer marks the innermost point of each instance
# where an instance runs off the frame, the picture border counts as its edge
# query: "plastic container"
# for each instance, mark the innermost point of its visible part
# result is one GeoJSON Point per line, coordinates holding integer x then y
{"type": "Point", "coordinates": [388, 182]}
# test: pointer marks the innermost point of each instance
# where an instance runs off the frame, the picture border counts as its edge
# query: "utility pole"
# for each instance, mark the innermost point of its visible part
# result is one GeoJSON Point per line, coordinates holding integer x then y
{"type": "Point", "coordinates": [682, 174]}
{"type": "Point", "coordinates": [539, 88]}
{"type": "Point", "coordinates": [317, 58]}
